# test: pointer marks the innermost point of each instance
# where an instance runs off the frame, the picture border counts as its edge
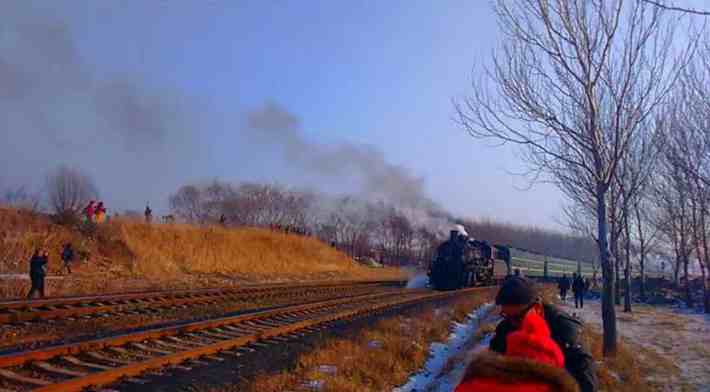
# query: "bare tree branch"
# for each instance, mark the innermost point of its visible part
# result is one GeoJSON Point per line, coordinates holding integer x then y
{"type": "Point", "coordinates": [678, 9]}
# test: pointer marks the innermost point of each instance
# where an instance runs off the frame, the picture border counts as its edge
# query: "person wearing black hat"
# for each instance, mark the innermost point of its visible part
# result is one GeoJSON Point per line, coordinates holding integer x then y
{"type": "Point", "coordinates": [518, 296]}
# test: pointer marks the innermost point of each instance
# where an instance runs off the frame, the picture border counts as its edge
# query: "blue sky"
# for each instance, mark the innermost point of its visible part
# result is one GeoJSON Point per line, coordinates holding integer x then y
{"type": "Point", "coordinates": [379, 73]}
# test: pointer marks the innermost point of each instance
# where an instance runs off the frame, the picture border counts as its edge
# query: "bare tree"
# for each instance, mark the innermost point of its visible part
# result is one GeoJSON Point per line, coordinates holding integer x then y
{"type": "Point", "coordinates": [69, 190]}
{"type": "Point", "coordinates": [573, 84]}
{"type": "Point", "coordinates": [688, 159]}
{"type": "Point", "coordinates": [188, 204]}
{"type": "Point", "coordinates": [670, 7]}
{"type": "Point", "coordinates": [20, 197]}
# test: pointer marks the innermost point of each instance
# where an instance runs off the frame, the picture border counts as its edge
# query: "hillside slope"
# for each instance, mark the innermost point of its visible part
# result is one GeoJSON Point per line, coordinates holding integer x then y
{"type": "Point", "coordinates": [123, 255]}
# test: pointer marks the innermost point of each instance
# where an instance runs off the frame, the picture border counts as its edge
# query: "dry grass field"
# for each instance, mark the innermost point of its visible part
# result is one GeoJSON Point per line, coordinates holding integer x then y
{"type": "Point", "coordinates": [127, 255]}
{"type": "Point", "coordinates": [376, 359]}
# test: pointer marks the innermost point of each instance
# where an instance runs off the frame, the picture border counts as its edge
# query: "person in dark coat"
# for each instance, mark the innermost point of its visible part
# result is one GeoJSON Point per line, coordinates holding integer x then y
{"type": "Point", "coordinates": [38, 270]}
{"type": "Point", "coordinates": [578, 289]}
{"type": "Point", "coordinates": [517, 297]}
{"type": "Point", "coordinates": [564, 286]}
{"type": "Point", "coordinates": [67, 257]}
{"type": "Point", "coordinates": [532, 362]}
{"type": "Point", "coordinates": [148, 214]}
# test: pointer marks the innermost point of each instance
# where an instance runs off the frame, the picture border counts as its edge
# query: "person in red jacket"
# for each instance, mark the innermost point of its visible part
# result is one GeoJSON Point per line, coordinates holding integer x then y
{"type": "Point", "coordinates": [532, 362]}
{"type": "Point", "coordinates": [90, 210]}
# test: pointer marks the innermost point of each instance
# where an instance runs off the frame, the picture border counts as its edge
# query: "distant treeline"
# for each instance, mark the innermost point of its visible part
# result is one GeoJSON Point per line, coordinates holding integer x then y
{"type": "Point", "coordinates": [363, 229]}
{"type": "Point", "coordinates": [534, 240]}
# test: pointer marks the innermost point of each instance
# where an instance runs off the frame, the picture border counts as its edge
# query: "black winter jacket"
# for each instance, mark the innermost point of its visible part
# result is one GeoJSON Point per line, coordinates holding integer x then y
{"type": "Point", "coordinates": [578, 285]}
{"type": "Point", "coordinates": [563, 284]}
{"type": "Point", "coordinates": [565, 330]}
{"type": "Point", "coordinates": [38, 266]}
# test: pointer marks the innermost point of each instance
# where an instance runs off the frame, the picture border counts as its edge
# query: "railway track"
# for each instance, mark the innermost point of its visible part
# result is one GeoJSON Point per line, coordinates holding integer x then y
{"type": "Point", "coordinates": [20, 311]}
{"type": "Point", "coordinates": [100, 363]}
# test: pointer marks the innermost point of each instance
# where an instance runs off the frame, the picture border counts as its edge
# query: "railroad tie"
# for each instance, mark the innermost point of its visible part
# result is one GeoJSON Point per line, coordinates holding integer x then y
{"type": "Point", "coordinates": [145, 348]}
{"type": "Point", "coordinates": [197, 362]}
{"type": "Point", "coordinates": [216, 335]}
{"type": "Point", "coordinates": [91, 365]}
{"type": "Point", "coordinates": [270, 323]}
{"type": "Point", "coordinates": [231, 328]}
{"type": "Point", "coordinates": [255, 326]}
{"type": "Point", "coordinates": [171, 345]}
{"type": "Point", "coordinates": [225, 332]}
{"type": "Point", "coordinates": [123, 351]}
{"type": "Point", "coordinates": [181, 341]}
{"type": "Point", "coordinates": [134, 380]}
{"type": "Point", "coordinates": [106, 358]}
{"type": "Point", "coordinates": [46, 366]}
{"type": "Point", "coordinates": [200, 336]}
{"type": "Point", "coordinates": [10, 375]}
{"type": "Point", "coordinates": [180, 367]}
{"type": "Point", "coordinates": [232, 352]}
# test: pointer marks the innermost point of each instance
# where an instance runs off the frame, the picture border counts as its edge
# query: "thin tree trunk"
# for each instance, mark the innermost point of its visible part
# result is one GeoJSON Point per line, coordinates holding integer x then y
{"type": "Point", "coordinates": [688, 292]}
{"type": "Point", "coordinates": [642, 256]}
{"type": "Point", "coordinates": [617, 281]}
{"type": "Point", "coordinates": [614, 242]}
{"type": "Point", "coordinates": [706, 292]}
{"type": "Point", "coordinates": [608, 311]}
{"type": "Point", "coordinates": [627, 269]}
{"type": "Point", "coordinates": [706, 255]}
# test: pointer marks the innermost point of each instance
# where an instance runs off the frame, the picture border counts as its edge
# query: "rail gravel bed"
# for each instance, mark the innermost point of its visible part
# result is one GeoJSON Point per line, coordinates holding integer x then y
{"type": "Point", "coordinates": [101, 362]}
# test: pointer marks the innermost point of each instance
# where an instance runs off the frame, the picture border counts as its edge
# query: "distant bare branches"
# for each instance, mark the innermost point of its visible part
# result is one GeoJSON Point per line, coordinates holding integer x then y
{"type": "Point", "coordinates": [670, 7]}
{"type": "Point", "coordinates": [69, 190]}
{"type": "Point", "coordinates": [20, 197]}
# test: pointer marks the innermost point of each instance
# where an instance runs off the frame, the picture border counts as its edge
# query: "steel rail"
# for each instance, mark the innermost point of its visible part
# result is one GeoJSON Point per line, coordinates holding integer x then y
{"type": "Point", "coordinates": [214, 336]}
{"type": "Point", "coordinates": [18, 311]}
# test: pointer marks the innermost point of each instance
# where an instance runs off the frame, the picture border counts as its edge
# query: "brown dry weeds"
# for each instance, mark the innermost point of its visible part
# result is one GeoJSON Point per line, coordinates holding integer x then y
{"type": "Point", "coordinates": [376, 359]}
{"type": "Point", "coordinates": [127, 255]}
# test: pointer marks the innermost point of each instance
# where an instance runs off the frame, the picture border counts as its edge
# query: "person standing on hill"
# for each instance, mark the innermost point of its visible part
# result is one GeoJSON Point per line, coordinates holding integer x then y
{"type": "Point", "coordinates": [578, 289]}
{"type": "Point", "coordinates": [67, 257]}
{"type": "Point", "coordinates": [100, 212]}
{"type": "Point", "coordinates": [38, 270]}
{"type": "Point", "coordinates": [90, 211]}
{"type": "Point", "coordinates": [148, 214]}
{"type": "Point", "coordinates": [517, 298]}
{"type": "Point", "coordinates": [564, 286]}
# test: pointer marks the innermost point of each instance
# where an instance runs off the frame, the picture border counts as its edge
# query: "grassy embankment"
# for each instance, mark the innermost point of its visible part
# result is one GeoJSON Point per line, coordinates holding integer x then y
{"type": "Point", "coordinates": [128, 255]}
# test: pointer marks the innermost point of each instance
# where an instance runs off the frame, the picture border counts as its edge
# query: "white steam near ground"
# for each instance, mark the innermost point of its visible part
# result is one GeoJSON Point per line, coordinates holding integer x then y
{"type": "Point", "coordinates": [418, 281]}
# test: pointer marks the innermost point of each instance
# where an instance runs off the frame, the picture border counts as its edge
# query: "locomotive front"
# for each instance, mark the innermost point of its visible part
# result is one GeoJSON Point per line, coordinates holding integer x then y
{"type": "Point", "coordinates": [461, 262]}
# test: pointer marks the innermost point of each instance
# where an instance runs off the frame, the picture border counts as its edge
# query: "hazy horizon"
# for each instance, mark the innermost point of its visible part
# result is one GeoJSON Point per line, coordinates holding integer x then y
{"type": "Point", "coordinates": [146, 97]}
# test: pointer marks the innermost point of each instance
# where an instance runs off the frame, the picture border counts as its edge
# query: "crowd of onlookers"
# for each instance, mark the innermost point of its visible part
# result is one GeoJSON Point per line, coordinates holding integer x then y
{"type": "Point", "coordinates": [95, 212]}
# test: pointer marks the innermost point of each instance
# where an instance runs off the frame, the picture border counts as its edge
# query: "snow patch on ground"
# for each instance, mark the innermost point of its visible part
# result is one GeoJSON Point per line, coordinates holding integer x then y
{"type": "Point", "coordinates": [418, 281]}
{"type": "Point", "coordinates": [440, 353]}
{"type": "Point", "coordinates": [449, 381]}
{"type": "Point", "coordinates": [681, 337]}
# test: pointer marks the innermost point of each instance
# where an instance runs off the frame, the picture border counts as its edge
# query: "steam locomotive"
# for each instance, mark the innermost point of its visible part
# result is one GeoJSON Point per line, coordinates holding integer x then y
{"type": "Point", "coordinates": [465, 262]}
